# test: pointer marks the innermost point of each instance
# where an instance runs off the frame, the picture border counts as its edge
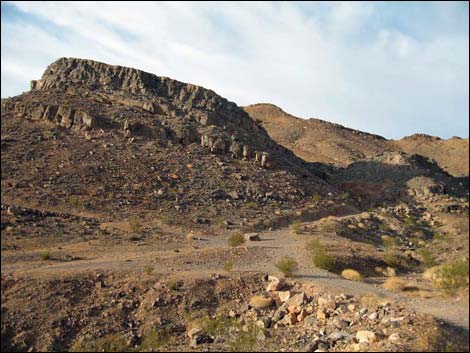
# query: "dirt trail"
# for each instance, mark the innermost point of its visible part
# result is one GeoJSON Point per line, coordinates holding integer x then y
{"type": "Point", "coordinates": [205, 256]}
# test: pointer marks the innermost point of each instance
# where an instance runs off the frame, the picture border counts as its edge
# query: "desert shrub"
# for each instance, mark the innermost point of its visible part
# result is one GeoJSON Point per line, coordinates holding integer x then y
{"type": "Point", "coordinates": [351, 275]}
{"type": "Point", "coordinates": [410, 221]}
{"type": "Point", "coordinates": [438, 224]}
{"type": "Point", "coordinates": [384, 227]}
{"type": "Point", "coordinates": [388, 242]}
{"type": "Point", "coordinates": [287, 265]}
{"type": "Point", "coordinates": [320, 255]}
{"type": "Point", "coordinates": [148, 269]}
{"type": "Point", "coordinates": [101, 233]}
{"type": "Point", "coordinates": [452, 275]}
{"type": "Point", "coordinates": [134, 225]}
{"type": "Point", "coordinates": [313, 245]}
{"type": "Point", "coordinates": [45, 255]}
{"type": "Point", "coordinates": [75, 201]}
{"type": "Point", "coordinates": [228, 266]}
{"type": "Point", "coordinates": [296, 226]}
{"type": "Point", "coordinates": [390, 258]}
{"type": "Point", "coordinates": [245, 341]}
{"type": "Point", "coordinates": [109, 343]}
{"type": "Point", "coordinates": [324, 261]}
{"type": "Point", "coordinates": [251, 205]}
{"type": "Point", "coordinates": [154, 339]}
{"type": "Point", "coordinates": [173, 285]}
{"type": "Point", "coordinates": [395, 284]}
{"type": "Point", "coordinates": [236, 239]}
{"type": "Point", "coordinates": [316, 197]}
{"type": "Point", "coordinates": [218, 221]}
{"type": "Point", "coordinates": [427, 258]}
{"type": "Point", "coordinates": [218, 325]}
{"type": "Point", "coordinates": [329, 227]}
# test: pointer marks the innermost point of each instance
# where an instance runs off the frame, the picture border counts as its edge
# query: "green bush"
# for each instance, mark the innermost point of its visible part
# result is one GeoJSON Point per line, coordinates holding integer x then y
{"type": "Point", "coordinates": [390, 258]}
{"type": "Point", "coordinates": [109, 343]}
{"type": "Point", "coordinates": [287, 265]}
{"type": "Point", "coordinates": [452, 275]}
{"type": "Point", "coordinates": [297, 226]}
{"type": "Point", "coordinates": [324, 261]}
{"type": "Point", "coordinates": [427, 258]}
{"type": "Point", "coordinates": [384, 227]}
{"type": "Point", "coordinates": [45, 255]}
{"type": "Point", "coordinates": [236, 239]}
{"type": "Point", "coordinates": [228, 266]}
{"type": "Point", "coordinates": [134, 225]}
{"type": "Point", "coordinates": [389, 242]}
{"type": "Point", "coordinates": [154, 339]}
{"type": "Point", "coordinates": [245, 341]}
{"type": "Point", "coordinates": [316, 197]}
{"type": "Point", "coordinates": [148, 269]}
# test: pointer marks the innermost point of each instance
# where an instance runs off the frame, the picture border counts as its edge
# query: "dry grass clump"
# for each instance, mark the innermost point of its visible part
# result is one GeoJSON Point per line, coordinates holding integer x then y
{"type": "Point", "coordinates": [287, 265]}
{"type": "Point", "coordinates": [351, 275]}
{"type": "Point", "coordinates": [236, 239]}
{"type": "Point", "coordinates": [395, 284]}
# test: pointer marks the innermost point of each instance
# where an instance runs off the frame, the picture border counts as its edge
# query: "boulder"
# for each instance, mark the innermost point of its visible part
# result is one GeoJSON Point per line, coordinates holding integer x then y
{"type": "Point", "coordinates": [252, 237]}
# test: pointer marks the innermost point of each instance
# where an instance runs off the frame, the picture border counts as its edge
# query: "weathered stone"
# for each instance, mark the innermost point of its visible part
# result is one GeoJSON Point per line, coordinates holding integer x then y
{"type": "Point", "coordinates": [275, 284]}
{"type": "Point", "coordinates": [252, 237]}
{"type": "Point", "coordinates": [284, 295]}
{"type": "Point", "coordinates": [366, 336]}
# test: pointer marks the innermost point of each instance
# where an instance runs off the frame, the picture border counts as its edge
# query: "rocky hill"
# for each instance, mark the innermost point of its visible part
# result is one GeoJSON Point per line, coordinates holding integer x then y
{"type": "Point", "coordinates": [114, 140]}
{"type": "Point", "coordinates": [316, 140]}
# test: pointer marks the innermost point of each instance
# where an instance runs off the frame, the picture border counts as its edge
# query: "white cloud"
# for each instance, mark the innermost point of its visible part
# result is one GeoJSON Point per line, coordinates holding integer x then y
{"type": "Point", "coordinates": [327, 62]}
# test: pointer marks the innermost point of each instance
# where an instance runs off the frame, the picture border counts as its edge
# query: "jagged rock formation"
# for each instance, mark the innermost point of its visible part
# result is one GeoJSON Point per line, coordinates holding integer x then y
{"type": "Point", "coordinates": [117, 137]}
{"type": "Point", "coordinates": [316, 140]}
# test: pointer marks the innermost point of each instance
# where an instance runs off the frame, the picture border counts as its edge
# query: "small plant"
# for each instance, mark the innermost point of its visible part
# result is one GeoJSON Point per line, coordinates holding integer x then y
{"type": "Point", "coordinates": [236, 239]}
{"type": "Point", "coordinates": [228, 266]}
{"type": "Point", "coordinates": [388, 242]}
{"type": "Point", "coordinates": [452, 275]}
{"type": "Point", "coordinates": [45, 255]}
{"type": "Point", "coordinates": [351, 275]}
{"type": "Point", "coordinates": [395, 284]}
{"type": "Point", "coordinates": [287, 265]}
{"type": "Point", "coordinates": [148, 269]}
{"type": "Point", "coordinates": [410, 221]}
{"type": "Point", "coordinates": [251, 205]}
{"type": "Point", "coordinates": [101, 233]}
{"type": "Point", "coordinates": [218, 221]}
{"type": "Point", "coordinates": [154, 339]}
{"type": "Point", "coordinates": [173, 285]}
{"type": "Point", "coordinates": [109, 343]}
{"type": "Point", "coordinates": [134, 225]}
{"type": "Point", "coordinates": [438, 224]}
{"type": "Point", "coordinates": [245, 341]}
{"type": "Point", "coordinates": [384, 227]}
{"type": "Point", "coordinates": [297, 226]}
{"type": "Point", "coordinates": [75, 201]}
{"type": "Point", "coordinates": [390, 258]}
{"type": "Point", "coordinates": [427, 258]}
{"type": "Point", "coordinates": [320, 255]}
{"type": "Point", "coordinates": [324, 261]}
{"type": "Point", "coordinates": [316, 197]}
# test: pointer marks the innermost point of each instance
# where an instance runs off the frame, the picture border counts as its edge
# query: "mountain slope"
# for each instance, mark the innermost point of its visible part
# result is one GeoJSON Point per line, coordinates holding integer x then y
{"type": "Point", "coordinates": [96, 138]}
{"type": "Point", "coordinates": [319, 141]}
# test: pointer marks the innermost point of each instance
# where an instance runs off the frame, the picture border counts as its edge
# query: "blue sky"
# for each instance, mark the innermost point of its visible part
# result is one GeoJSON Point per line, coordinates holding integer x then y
{"type": "Point", "coordinates": [391, 68]}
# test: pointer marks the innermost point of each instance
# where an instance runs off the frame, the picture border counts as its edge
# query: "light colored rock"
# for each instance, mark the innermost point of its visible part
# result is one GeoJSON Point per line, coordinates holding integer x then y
{"type": "Point", "coordinates": [260, 302]}
{"type": "Point", "coordinates": [194, 332]}
{"type": "Point", "coordinates": [252, 237]}
{"type": "Point", "coordinates": [394, 337]}
{"type": "Point", "coordinates": [321, 313]}
{"type": "Point", "coordinates": [391, 272]}
{"type": "Point", "coordinates": [275, 284]}
{"type": "Point", "coordinates": [366, 336]}
{"type": "Point", "coordinates": [284, 295]}
{"type": "Point", "coordinates": [289, 319]}
{"type": "Point", "coordinates": [297, 300]}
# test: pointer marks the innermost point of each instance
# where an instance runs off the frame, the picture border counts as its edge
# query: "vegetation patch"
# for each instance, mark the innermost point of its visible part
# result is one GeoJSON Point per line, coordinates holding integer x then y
{"type": "Point", "coordinates": [236, 239]}
{"type": "Point", "coordinates": [287, 265]}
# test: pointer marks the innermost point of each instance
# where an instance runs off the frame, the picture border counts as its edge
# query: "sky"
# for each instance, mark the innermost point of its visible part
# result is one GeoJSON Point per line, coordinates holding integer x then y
{"type": "Point", "coordinates": [390, 68]}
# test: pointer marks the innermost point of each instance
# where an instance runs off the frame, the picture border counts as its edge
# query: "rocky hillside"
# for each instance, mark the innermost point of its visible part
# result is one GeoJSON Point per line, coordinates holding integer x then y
{"type": "Point", "coordinates": [102, 138]}
{"type": "Point", "coordinates": [316, 140]}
